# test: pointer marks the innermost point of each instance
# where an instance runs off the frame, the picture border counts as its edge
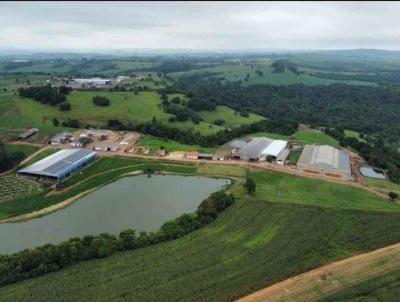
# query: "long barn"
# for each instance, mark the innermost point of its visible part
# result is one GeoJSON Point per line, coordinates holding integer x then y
{"type": "Point", "coordinates": [59, 165]}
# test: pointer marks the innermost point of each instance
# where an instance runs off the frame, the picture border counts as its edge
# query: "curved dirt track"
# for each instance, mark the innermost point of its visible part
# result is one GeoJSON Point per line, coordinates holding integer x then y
{"type": "Point", "coordinates": [331, 278]}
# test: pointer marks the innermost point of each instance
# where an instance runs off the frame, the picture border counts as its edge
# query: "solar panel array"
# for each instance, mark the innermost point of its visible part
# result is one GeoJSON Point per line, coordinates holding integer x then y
{"type": "Point", "coordinates": [63, 165]}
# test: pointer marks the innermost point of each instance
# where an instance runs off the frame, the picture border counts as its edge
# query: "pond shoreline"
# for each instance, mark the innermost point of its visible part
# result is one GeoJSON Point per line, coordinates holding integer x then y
{"type": "Point", "coordinates": [69, 201]}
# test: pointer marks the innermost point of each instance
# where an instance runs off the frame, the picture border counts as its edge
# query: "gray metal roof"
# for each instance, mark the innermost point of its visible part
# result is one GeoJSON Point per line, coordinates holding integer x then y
{"type": "Point", "coordinates": [255, 148]}
{"type": "Point", "coordinates": [28, 133]}
{"type": "Point", "coordinates": [325, 157]}
{"type": "Point", "coordinates": [58, 163]}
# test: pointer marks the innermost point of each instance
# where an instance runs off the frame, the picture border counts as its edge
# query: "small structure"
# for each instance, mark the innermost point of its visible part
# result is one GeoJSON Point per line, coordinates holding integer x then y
{"type": "Point", "coordinates": [128, 139]}
{"type": "Point", "coordinates": [192, 155]}
{"type": "Point", "coordinates": [60, 164]}
{"type": "Point", "coordinates": [325, 161]}
{"type": "Point", "coordinates": [76, 145]}
{"type": "Point", "coordinates": [121, 79]}
{"type": "Point", "coordinates": [161, 152]}
{"type": "Point", "coordinates": [60, 138]}
{"type": "Point", "coordinates": [218, 157]}
{"type": "Point", "coordinates": [205, 156]}
{"type": "Point", "coordinates": [28, 133]}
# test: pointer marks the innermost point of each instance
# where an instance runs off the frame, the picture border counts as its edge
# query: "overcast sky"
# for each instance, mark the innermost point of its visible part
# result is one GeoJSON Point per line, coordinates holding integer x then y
{"type": "Point", "coordinates": [197, 25]}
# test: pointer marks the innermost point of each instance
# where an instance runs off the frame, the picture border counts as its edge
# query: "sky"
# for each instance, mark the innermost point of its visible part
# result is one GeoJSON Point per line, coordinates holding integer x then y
{"type": "Point", "coordinates": [199, 25]}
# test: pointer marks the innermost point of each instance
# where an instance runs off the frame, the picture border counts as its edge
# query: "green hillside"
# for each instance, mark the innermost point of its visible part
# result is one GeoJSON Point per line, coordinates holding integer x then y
{"type": "Point", "coordinates": [126, 106]}
{"type": "Point", "coordinates": [232, 119]}
{"type": "Point", "coordinates": [238, 72]}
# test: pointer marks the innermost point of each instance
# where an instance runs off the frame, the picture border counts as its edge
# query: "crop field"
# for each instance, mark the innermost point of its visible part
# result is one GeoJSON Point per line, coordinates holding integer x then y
{"type": "Point", "coordinates": [238, 72]}
{"type": "Point", "coordinates": [154, 143]}
{"type": "Point", "coordinates": [12, 187]}
{"type": "Point", "coordinates": [232, 119]}
{"type": "Point", "coordinates": [381, 288]}
{"type": "Point", "coordinates": [252, 244]}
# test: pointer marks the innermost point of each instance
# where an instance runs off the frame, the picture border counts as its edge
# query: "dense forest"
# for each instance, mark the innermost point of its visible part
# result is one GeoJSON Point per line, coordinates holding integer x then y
{"type": "Point", "coordinates": [370, 110]}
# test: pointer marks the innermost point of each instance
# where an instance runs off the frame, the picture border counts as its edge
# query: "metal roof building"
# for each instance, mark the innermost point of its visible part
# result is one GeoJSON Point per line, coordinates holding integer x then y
{"type": "Point", "coordinates": [28, 133]}
{"type": "Point", "coordinates": [261, 147]}
{"type": "Point", "coordinates": [325, 161]}
{"type": "Point", "coordinates": [59, 165]}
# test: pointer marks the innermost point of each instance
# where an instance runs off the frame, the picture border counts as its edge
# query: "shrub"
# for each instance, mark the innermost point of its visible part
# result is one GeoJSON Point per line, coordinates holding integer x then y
{"type": "Point", "coordinates": [101, 101]}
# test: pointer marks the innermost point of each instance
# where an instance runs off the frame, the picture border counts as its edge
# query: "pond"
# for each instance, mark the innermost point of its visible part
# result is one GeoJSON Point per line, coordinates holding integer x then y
{"type": "Point", "coordinates": [139, 202]}
{"type": "Point", "coordinates": [372, 172]}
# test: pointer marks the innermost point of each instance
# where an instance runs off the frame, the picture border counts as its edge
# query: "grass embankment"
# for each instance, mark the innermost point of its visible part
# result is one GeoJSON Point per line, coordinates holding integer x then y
{"type": "Point", "coordinates": [290, 226]}
{"type": "Point", "coordinates": [154, 143]}
{"type": "Point", "coordinates": [383, 186]}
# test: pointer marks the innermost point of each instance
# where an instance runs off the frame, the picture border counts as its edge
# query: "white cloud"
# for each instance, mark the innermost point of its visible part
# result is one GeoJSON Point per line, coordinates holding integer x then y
{"type": "Point", "coordinates": [207, 25]}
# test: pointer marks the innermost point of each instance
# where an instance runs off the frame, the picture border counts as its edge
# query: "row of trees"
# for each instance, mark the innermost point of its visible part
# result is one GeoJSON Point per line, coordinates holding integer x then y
{"type": "Point", "coordinates": [156, 128]}
{"type": "Point", "coordinates": [9, 160]}
{"type": "Point", "coordinates": [45, 94]}
{"type": "Point", "coordinates": [49, 258]}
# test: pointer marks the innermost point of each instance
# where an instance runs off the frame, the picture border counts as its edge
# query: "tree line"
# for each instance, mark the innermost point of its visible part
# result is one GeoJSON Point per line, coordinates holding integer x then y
{"type": "Point", "coordinates": [49, 258]}
{"type": "Point", "coordinates": [45, 94]}
{"type": "Point", "coordinates": [157, 128]}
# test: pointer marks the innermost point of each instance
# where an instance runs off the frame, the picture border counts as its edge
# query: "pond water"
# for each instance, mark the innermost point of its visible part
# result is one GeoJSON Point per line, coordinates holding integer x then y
{"type": "Point", "coordinates": [372, 172]}
{"type": "Point", "coordinates": [139, 202]}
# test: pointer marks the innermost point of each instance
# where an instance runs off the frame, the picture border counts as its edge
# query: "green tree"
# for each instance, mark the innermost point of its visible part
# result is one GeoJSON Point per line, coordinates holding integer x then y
{"type": "Point", "coordinates": [250, 186]}
{"type": "Point", "coordinates": [56, 122]}
{"type": "Point", "coordinates": [393, 196]}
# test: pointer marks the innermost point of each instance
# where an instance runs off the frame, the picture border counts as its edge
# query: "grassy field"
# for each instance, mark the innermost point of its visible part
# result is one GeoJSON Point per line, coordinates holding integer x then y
{"type": "Point", "coordinates": [256, 242]}
{"type": "Point", "coordinates": [154, 143]}
{"type": "Point", "coordinates": [238, 72]}
{"type": "Point", "coordinates": [382, 185]}
{"type": "Point", "coordinates": [126, 106]}
{"type": "Point", "coordinates": [381, 288]}
{"type": "Point", "coordinates": [284, 188]}
{"type": "Point", "coordinates": [232, 119]}
{"type": "Point", "coordinates": [355, 134]}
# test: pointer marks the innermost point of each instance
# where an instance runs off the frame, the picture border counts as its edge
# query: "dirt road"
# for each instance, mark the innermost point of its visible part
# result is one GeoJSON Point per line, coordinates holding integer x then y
{"type": "Point", "coordinates": [328, 279]}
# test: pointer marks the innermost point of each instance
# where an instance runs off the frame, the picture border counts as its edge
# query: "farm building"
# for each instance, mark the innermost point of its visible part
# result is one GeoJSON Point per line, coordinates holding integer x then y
{"type": "Point", "coordinates": [90, 83]}
{"type": "Point", "coordinates": [61, 138]}
{"type": "Point", "coordinates": [28, 133]}
{"type": "Point", "coordinates": [325, 161]}
{"type": "Point", "coordinates": [260, 148]}
{"type": "Point", "coordinates": [192, 155]}
{"type": "Point", "coordinates": [59, 165]}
